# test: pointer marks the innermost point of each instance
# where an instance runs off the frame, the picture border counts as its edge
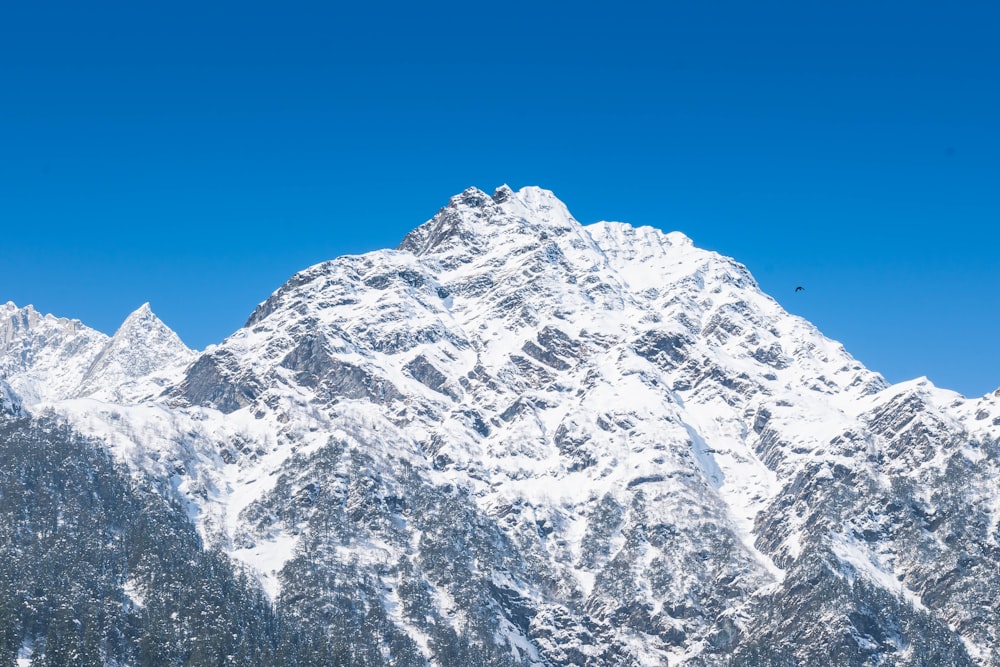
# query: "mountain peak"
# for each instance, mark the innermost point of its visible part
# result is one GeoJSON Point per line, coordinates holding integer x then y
{"type": "Point", "coordinates": [143, 319]}
{"type": "Point", "coordinates": [502, 194]}
{"type": "Point", "coordinates": [142, 311]}
{"type": "Point", "coordinates": [43, 357]}
{"type": "Point", "coordinates": [471, 197]}
{"type": "Point", "coordinates": [142, 345]}
{"type": "Point", "coordinates": [11, 307]}
{"type": "Point", "coordinates": [473, 218]}
{"type": "Point", "coordinates": [28, 317]}
{"type": "Point", "coordinates": [20, 317]}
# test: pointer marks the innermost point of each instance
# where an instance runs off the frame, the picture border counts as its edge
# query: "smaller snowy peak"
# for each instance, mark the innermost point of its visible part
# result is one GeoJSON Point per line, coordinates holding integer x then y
{"type": "Point", "coordinates": [645, 256]}
{"type": "Point", "coordinates": [17, 324]}
{"type": "Point", "coordinates": [536, 204]}
{"type": "Point", "coordinates": [142, 313]}
{"type": "Point", "coordinates": [977, 417]}
{"type": "Point", "coordinates": [43, 357]}
{"type": "Point", "coordinates": [621, 235]}
{"type": "Point", "coordinates": [142, 328]}
{"type": "Point", "coordinates": [143, 325]}
{"type": "Point", "coordinates": [142, 346]}
{"type": "Point", "coordinates": [471, 197]}
{"type": "Point", "coordinates": [920, 390]}
{"type": "Point", "coordinates": [502, 194]}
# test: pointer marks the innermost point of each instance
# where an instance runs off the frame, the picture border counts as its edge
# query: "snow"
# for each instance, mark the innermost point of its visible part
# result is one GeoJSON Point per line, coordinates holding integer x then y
{"type": "Point", "coordinates": [393, 607]}
{"type": "Point", "coordinates": [629, 262]}
{"type": "Point", "coordinates": [862, 562]}
{"type": "Point", "coordinates": [27, 648]}
{"type": "Point", "coordinates": [266, 558]}
{"type": "Point", "coordinates": [133, 593]}
{"type": "Point", "coordinates": [45, 358]}
{"type": "Point", "coordinates": [471, 291]}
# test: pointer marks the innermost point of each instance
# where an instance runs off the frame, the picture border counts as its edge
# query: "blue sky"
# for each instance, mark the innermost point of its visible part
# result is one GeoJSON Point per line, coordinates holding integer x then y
{"type": "Point", "coordinates": [196, 155]}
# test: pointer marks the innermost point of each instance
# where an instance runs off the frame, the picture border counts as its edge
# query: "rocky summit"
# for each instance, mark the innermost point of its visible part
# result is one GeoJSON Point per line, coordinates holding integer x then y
{"type": "Point", "coordinates": [512, 440]}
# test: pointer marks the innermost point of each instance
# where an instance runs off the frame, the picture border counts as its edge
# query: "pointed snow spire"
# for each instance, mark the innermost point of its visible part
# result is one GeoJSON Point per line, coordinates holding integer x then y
{"type": "Point", "coordinates": [142, 314]}
{"type": "Point", "coordinates": [143, 323]}
{"type": "Point", "coordinates": [142, 345]}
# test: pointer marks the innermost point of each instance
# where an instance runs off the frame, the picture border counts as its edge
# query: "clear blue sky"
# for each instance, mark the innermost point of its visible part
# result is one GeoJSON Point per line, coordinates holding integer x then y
{"type": "Point", "coordinates": [195, 155]}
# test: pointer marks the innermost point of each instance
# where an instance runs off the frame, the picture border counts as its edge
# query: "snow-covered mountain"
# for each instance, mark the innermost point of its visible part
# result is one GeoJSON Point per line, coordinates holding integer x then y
{"type": "Point", "coordinates": [46, 358]}
{"type": "Point", "coordinates": [136, 362]}
{"type": "Point", "coordinates": [516, 439]}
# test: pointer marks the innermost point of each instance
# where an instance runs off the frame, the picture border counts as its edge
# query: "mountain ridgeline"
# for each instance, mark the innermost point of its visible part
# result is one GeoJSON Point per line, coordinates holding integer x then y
{"type": "Point", "coordinates": [512, 440]}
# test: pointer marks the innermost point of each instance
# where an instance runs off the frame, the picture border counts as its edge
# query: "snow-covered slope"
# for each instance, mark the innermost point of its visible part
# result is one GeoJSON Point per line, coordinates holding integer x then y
{"type": "Point", "coordinates": [9, 403]}
{"type": "Point", "coordinates": [46, 358]}
{"type": "Point", "coordinates": [555, 443]}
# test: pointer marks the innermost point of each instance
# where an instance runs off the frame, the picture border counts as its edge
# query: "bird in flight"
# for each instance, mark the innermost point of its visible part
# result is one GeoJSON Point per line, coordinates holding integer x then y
{"type": "Point", "coordinates": [799, 288]}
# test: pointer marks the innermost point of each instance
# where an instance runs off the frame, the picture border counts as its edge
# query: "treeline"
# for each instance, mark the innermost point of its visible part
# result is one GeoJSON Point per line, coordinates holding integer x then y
{"type": "Point", "coordinates": [99, 569]}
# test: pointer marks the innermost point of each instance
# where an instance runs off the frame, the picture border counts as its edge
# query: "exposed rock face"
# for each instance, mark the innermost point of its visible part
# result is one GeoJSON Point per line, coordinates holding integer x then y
{"type": "Point", "coordinates": [516, 439]}
{"type": "Point", "coordinates": [216, 381]}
